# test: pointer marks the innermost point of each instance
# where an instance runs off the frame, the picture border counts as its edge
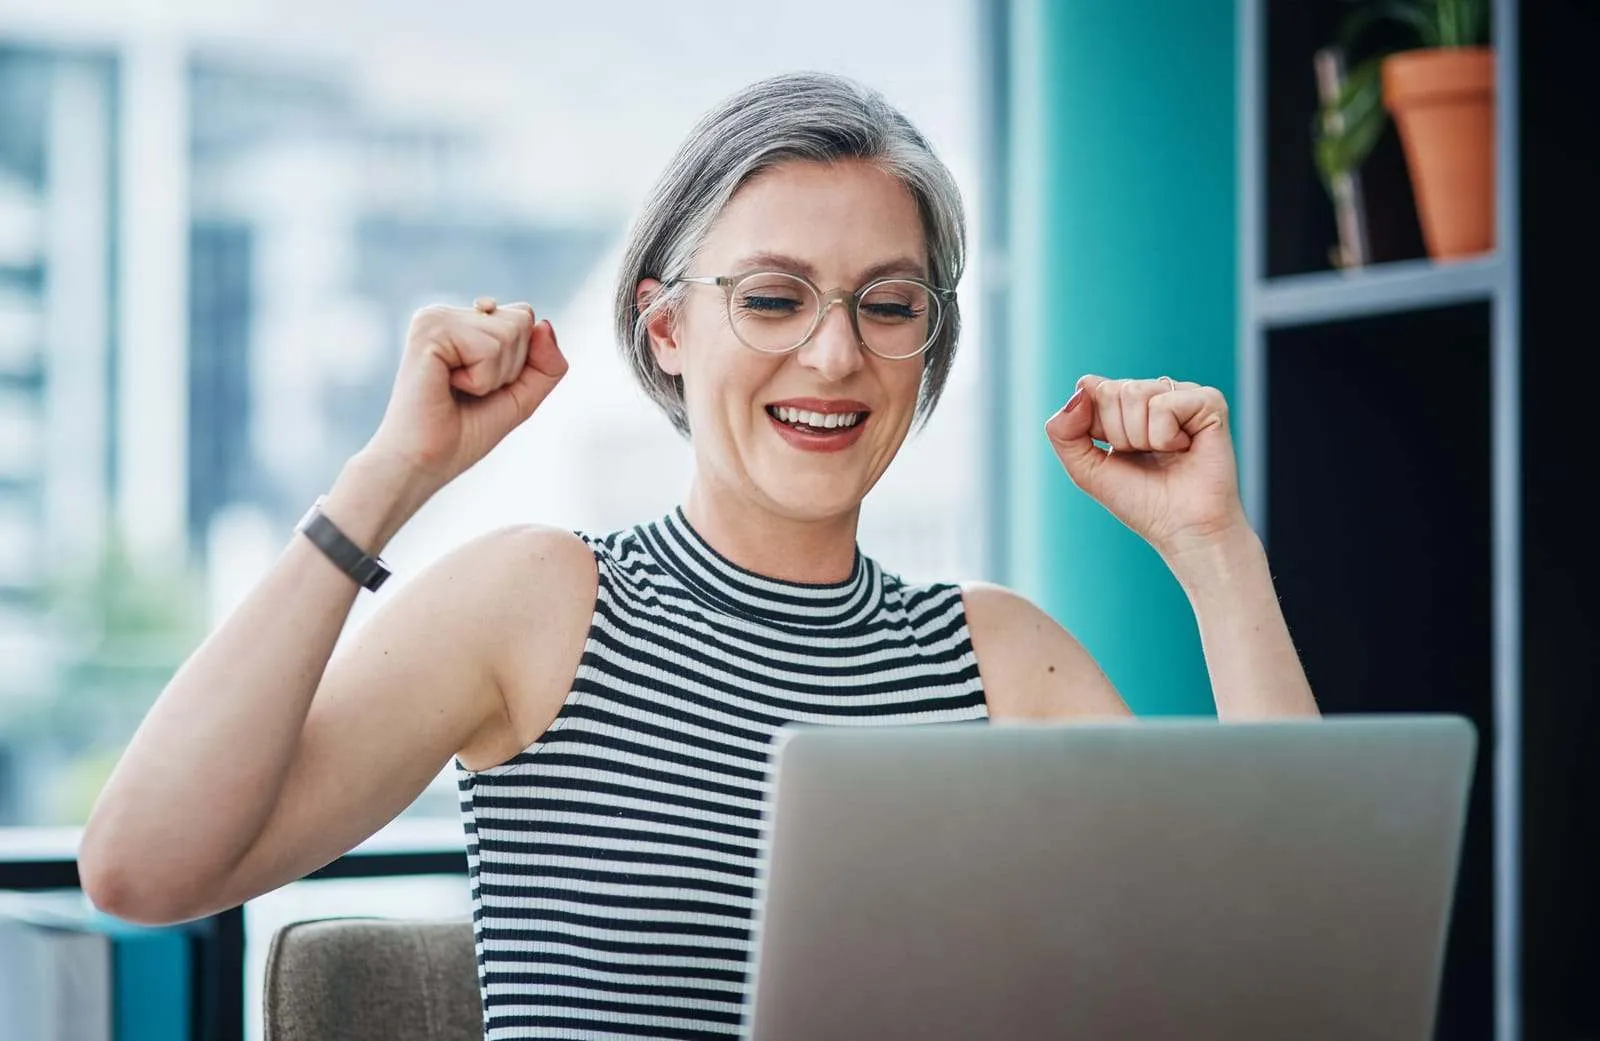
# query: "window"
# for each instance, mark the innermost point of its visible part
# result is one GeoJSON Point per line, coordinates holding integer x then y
{"type": "Point", "coordinates": [212, 235]}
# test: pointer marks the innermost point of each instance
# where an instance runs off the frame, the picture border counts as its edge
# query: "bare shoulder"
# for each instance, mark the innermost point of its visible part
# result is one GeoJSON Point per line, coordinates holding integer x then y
{"type": "Point", "coordinates": [1032, 668]}
{"type": "Point", "coordinates": [544, 589]}
{"type": "Point", "coordinates": [506, 560]}
{"type": "Point", "coordinates": [526, 572]}
{"type": "Point", "coordinates": [522, 597]}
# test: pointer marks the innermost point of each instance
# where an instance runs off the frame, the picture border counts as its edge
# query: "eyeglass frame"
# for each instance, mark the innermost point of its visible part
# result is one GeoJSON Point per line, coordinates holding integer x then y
{"type": "Point", "coordinates": [825, 301]}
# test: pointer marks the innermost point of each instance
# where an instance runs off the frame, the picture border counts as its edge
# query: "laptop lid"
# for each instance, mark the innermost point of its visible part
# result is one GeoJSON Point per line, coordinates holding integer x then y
{"type": "Point", "coordinates": [1162, 879]}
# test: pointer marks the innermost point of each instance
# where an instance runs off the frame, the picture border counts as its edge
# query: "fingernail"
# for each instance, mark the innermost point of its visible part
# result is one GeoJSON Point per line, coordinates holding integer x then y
{"type": "Point", "coordinates": [1055, 420]}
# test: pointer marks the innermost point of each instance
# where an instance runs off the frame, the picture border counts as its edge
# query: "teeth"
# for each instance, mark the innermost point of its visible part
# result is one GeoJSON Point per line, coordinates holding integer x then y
{"type": "Point", "coordinates": [817, 420]}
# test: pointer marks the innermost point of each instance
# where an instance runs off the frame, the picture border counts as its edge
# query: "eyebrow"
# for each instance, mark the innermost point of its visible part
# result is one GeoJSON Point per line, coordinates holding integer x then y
{"type": "Point", "coordinates": [784, 262]}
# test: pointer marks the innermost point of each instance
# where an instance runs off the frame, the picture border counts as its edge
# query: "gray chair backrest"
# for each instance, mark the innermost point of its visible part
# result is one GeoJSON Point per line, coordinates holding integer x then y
{"type": "Point", "coordinates": [366, 979]}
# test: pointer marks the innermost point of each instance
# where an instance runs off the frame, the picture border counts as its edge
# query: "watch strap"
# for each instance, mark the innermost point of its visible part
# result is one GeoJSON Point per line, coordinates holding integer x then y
{"type": "Point", "coordinates": [368, 571]}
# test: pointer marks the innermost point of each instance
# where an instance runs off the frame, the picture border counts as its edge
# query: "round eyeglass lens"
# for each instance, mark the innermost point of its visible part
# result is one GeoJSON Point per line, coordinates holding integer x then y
{"type": "Point", "coordinates": [898, 318]}
{"type": "Point", "coordinates": [772, 311]}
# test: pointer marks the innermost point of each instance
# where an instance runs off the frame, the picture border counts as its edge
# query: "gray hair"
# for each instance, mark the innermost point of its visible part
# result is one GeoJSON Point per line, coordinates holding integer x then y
{"type": "Point", "coordinates": [811, 117]}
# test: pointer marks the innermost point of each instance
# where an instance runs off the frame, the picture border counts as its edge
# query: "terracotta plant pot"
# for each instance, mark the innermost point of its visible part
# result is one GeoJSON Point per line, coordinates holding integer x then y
{"type": "Point", "coordinates": [1442, 101]}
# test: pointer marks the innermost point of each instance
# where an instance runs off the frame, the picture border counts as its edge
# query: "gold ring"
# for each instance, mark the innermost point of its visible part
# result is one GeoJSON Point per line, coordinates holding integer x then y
{"type": "Point", "coordinates": [485, 304]}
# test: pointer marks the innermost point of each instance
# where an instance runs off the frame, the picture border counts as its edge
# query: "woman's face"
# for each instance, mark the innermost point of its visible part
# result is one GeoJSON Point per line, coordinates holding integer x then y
{"type": "Point", "coordinates": [841, 225]}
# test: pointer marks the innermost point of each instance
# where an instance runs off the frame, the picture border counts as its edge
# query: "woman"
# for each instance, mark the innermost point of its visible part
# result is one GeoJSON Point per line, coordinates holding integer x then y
{"type": "Point", "coordinates": [611, 700]}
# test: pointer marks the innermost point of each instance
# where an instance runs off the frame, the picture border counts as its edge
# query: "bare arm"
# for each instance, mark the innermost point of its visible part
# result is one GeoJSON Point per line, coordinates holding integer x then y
{"type": "Point", "coordinates": [262, 759]}
{"type": "Point", "coordinates": [1032, 668]}
{"type": "Point", "coordinates": [431, 676]}
{"type": "Point", "coordinates": [1167, 471]}
{"type": "Point", "coordinates": [1255, 671]}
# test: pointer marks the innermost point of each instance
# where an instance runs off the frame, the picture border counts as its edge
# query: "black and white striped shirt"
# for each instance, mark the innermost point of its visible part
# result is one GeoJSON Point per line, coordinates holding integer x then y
{"type": "Point", "coordinates": [614, 862]}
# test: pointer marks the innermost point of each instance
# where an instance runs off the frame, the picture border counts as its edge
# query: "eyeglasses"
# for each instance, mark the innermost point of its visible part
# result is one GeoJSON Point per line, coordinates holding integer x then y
{"type": "Point", "coordinates": [776, 312]}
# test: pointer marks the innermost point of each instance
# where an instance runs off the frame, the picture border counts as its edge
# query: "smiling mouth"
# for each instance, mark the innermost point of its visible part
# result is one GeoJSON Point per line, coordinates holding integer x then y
{"type": "Point", "coordinates": [817, 422]}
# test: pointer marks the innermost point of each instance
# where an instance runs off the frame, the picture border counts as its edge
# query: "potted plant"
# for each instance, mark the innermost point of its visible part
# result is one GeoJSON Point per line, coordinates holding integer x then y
{"type": "Point", "coordinates": [1440, 93]}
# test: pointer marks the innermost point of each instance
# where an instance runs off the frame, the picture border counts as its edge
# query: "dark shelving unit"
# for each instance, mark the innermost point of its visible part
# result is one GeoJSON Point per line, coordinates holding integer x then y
{"type": "Point", "coordinates": [1380, 441]}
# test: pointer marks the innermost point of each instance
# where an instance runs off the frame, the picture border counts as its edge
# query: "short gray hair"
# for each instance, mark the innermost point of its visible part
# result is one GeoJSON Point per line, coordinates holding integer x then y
{"type": "Point", "coordinates": [809, 117]}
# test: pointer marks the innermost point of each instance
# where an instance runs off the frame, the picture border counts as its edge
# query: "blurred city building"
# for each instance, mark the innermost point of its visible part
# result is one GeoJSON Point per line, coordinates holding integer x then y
{"type": "Point", "coordinates": [209, 251]}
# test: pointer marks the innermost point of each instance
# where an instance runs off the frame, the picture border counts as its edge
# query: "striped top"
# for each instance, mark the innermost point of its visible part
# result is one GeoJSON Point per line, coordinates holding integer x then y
{"type": "Point", "coordinates": [614, 863]}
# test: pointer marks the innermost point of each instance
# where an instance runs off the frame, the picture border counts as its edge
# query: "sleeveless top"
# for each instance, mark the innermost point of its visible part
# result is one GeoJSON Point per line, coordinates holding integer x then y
{"type": "Point", "coordinates": [614, 863]}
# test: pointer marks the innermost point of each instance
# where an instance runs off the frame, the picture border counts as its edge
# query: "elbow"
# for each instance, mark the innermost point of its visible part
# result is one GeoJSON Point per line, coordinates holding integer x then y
{"type": "Point", "coordinates": [120, 894]}
{"type": "Point", "coordinates": [128, 886]}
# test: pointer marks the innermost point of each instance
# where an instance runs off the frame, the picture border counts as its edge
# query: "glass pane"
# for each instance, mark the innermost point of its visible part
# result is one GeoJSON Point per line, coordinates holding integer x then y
{"type": "Point", "coordinates": [212, 232]}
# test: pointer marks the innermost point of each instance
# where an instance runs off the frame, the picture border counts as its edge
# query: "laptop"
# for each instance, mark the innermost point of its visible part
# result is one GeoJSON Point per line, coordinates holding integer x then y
{"type": "Point", "coordinates": [1159, 880]}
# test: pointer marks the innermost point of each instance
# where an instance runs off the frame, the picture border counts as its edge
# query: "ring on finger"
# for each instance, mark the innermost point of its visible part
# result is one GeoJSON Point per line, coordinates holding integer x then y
{"type": "Point", "coordinates": [1170, 382]}
{"type": "Point", "coordinates": [485, 304]}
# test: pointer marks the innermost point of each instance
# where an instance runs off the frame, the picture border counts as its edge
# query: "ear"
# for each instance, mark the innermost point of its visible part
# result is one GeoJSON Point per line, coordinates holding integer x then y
{"type": "Point", "coordinates": [663, 339]}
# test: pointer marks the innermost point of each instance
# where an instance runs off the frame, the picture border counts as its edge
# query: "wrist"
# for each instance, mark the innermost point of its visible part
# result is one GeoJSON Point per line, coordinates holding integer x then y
{"type": "Point", "coordinates": [374, 496]}
{"type": "Point", "coordinates": [1217, 562]}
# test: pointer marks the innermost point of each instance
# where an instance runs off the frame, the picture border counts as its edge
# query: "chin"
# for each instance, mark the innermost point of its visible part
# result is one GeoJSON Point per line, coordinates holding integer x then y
{"type": "Point", "coordinates": [819, 498]}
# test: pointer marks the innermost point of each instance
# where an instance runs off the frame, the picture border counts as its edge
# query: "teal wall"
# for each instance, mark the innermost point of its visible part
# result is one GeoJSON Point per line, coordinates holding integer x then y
{"type": "Point", "coordinates": [1122, 263]}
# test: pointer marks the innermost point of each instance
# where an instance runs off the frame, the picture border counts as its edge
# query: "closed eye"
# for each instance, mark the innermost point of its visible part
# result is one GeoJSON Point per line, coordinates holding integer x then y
{"type": "Point", "coordinates": [769, 305]}
{"type": "Point", "coordinates": [887, 312]}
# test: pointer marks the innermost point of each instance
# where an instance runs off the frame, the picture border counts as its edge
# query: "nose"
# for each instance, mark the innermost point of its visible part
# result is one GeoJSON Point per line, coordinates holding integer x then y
{"type": "Point", "coordinates": [834, 350]}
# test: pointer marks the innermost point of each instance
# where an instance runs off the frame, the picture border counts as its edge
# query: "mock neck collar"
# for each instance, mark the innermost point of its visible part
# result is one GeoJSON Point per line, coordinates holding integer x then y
{"type": "Point", "coordinates": [720, 583]}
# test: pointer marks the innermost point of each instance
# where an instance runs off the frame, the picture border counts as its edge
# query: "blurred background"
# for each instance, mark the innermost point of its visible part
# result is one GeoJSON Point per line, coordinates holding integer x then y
{"type": "Point", "coordinates": [216, 219]}
{"type": "Point", "coordinates": [214, 226]}
{"type": "Point", "coordinates": [215, 222]}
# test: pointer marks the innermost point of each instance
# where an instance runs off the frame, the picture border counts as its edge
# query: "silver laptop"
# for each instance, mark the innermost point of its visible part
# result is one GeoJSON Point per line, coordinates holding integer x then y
{"type": "Point", "coordinates": [1151, 881]}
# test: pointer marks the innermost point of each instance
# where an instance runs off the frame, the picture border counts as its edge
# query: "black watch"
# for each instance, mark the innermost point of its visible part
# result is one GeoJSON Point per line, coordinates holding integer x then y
{"type": "Point", "coordinates": [369, 572]}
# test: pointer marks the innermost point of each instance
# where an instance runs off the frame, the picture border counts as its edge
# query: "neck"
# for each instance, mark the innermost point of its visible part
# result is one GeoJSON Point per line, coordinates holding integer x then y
{"type": "Point", "coordinates": [815, 552]}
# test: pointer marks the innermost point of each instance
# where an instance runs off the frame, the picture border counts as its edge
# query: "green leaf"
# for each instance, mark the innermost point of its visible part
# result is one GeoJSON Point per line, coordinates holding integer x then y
{"type": "Point", "coordinates": [1362, 134]}
{"type": "Point", "coordinates": [1348, 128]}
{"type": "Point", "coordinates": [1462, 23]}
{"type": "Point", "coordinates": [1412, 13]}
{"type": "Point", "coordinates": [1363, 90]}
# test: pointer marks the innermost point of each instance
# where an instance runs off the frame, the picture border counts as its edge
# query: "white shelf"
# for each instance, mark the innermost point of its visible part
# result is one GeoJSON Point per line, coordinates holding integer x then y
{"type": "Point", "coordinates": [39, 844]}
{"type": "Point", "coordinates": [441, 835]}
{"type": "Point", "coordinates": [1410, 285]}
